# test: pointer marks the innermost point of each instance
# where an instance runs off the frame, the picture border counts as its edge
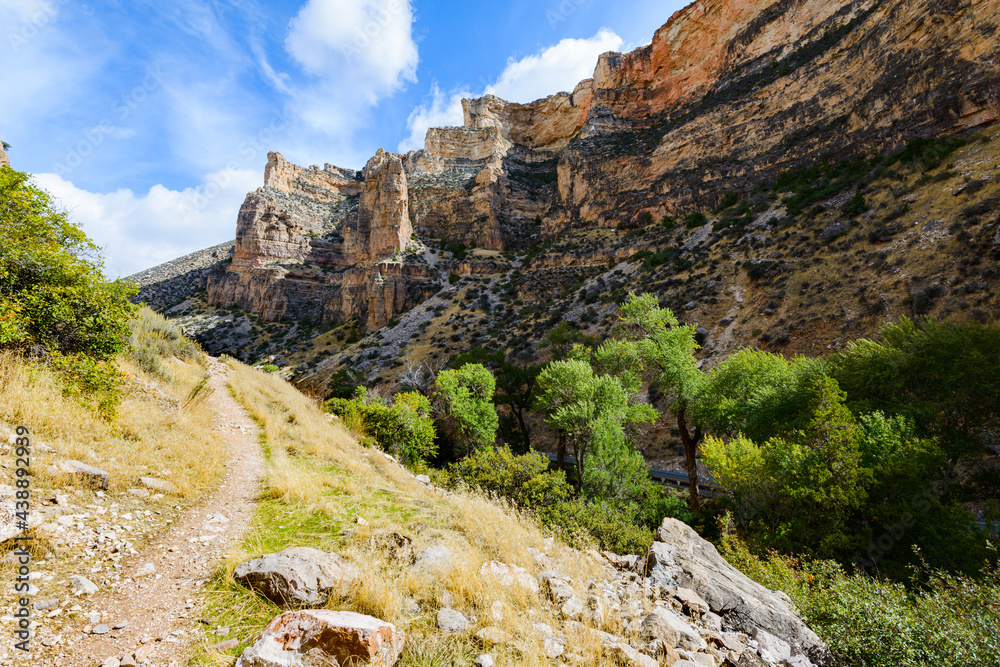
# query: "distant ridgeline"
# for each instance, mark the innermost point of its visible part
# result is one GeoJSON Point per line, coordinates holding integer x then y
{"type": "Point", "coordinates": [168, 284]}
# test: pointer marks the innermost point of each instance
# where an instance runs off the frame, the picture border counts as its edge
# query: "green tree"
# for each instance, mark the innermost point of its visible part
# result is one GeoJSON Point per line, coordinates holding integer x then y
{"type": "Point", "coordinates": [757, 394]}
{"type": "Point", "coordinates": [466, 398]}
{"type": "Point", "coordinates": [53, 294]}
{"type": "Point", "coordinates": [591, 412]}
{"type": "Point", "coordinates": [516, 390]}
{"type": "Point", "coordinates": [796, 492]}
{"type": "Point", "coordinates": [562, 339]}
{"type": "Point", "coordinates": [653, 337]}
{"type": "Point", "coordinates": [944, 376]}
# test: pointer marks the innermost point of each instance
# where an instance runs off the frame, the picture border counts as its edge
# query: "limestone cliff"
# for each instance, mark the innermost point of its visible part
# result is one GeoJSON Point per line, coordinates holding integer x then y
{"type": "Point", "coordinates": [318, 243]}
{"type": "Point", "coordinates": [4, 160]}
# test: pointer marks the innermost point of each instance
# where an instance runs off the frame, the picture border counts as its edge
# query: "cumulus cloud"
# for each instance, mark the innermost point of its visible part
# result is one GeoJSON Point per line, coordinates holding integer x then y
{"type": "Point", "coordinates": [558, 68]}
{"type": "Point", "coordinates": [367, 45]}
{"type": "Point", "coordinates": [138, 231]}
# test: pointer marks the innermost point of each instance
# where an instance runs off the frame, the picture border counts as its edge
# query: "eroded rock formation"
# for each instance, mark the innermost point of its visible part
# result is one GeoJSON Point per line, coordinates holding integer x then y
{"type": "Point", "coordinates": [728, 94]}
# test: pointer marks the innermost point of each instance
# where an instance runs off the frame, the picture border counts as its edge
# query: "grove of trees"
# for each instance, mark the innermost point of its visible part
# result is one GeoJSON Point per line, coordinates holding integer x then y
{"type": "Point", "coordinates": [854, 457]}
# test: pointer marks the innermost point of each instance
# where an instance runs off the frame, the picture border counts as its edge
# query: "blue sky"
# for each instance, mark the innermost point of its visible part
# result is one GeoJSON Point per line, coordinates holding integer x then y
{"type": "Point", "coordinates": [150, 121]}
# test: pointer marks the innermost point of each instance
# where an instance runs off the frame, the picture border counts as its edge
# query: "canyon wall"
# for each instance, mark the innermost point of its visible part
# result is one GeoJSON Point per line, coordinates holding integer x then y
{"type": "Point", "coordinates": [728, 94]}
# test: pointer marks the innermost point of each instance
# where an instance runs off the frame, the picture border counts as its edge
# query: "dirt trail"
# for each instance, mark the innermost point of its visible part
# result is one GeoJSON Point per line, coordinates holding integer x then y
{"type": "Point", "coordinates": [156, 616]}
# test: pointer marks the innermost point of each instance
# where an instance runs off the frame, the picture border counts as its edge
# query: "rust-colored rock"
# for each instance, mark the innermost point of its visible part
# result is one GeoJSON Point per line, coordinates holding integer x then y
{"type": "Point", "coordinates": [311, 638]}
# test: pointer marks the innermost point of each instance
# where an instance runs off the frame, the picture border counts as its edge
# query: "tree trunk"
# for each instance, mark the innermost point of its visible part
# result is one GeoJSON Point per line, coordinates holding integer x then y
{"type": "Point", "coordinates": [690, 455]}
{"type": "Point", "coordinates": [519, 413]}
{"type": "Point", "coordinates": [561, 451]}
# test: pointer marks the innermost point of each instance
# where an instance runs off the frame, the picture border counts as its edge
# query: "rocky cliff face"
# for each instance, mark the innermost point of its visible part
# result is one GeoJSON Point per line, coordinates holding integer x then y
{"type": "Point", "coordinates": [564, 204]}
{"type": "Point", "coordinates": [319, 243]}
{"type": "Point", "coordinates": [4, 160]}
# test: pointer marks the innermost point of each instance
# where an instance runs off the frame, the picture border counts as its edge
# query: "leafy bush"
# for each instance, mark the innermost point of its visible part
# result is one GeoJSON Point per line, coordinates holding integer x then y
{"type": "Point", "coordinates": [528, 482]}
{"type": "Point", "coordinates": [95, 384]}
{"type": "Point", "coordinates": [153, 338]}
{"type": "Point", "coordinates": [52, 292]}
{"type": "Point", "coordinates": [695, 220]}
{"type": "Point", "coordinates": [404, 428]}
{"type": "Point", "coordinates": [939, 619]}
{"type": "Point", "coordinates": [930, 153]}
{"type": "Point", "coordinates": [856, 206]}
{"type": "Point", "coordinates": [729, 199]}
{"type": "Point", "coordinates": [344, 383]}
{"type": "Point", "coordinates": [523, 479]}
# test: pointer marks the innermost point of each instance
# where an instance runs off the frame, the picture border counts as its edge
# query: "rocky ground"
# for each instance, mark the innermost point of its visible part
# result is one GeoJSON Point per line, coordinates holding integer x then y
{"type": "Point", "coordinates": [123, 583]}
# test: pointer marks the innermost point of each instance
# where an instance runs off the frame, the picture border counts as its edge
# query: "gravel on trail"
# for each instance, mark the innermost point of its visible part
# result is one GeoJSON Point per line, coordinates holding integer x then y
{"type": "Point", "coordinates": [155, 617]}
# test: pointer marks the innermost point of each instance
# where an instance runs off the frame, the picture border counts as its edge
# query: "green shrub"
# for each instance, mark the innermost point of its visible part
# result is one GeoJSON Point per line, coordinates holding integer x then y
{"type": "Point", "coordinates": [695, 220]}
{"type": "Point", "coordinates": [610, 526]}
{"type": "Point", "coordinates": [523, 479]}
{"type": "Point", "coordinates": [404, 428]}
{"type": "Point", "coordinates": [527, 482]}
{"type": "Point", "coordinates": [729, 200]}
{"type": "Point", "coordinates": [95, 384]}
{"type": "Point", "coordinates": [856, 206]}
{"type": "Point", "coordinates": [51, 294]}
{"type": "Point", "coordinates": [938, 619]}
{"type": "Point", "coordinates": [153, 338]}
{"type": "Point", "coordinates": [344, 383]}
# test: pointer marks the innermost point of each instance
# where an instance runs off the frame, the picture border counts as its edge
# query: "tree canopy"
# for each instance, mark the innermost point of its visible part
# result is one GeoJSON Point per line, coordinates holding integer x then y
{"type": "Point", "coordinates": [53, 294]}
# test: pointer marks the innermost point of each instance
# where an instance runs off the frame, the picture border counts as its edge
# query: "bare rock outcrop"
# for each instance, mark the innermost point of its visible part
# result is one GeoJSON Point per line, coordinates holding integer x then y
{"type": "Point", "coordinates": [320, 638]}
{"type": "Point", "coordinates": [383, 226]}
{"type": "Point", "coordinates": [680, 559]}
{"type": "Point", "coordinates": [298, 576]}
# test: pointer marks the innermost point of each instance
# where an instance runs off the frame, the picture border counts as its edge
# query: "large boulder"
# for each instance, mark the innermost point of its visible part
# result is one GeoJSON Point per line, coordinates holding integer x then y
{"type": "Point", "coordinates": [298, 576]}
{"type": "Point", "coordinates": [680, 558]}
{"type": "Point", "coordinates": [80, 472]}
{"type": "Point", "coordinates": [667, 627]}
{"type": "Point", "coordinates": [324, 638]}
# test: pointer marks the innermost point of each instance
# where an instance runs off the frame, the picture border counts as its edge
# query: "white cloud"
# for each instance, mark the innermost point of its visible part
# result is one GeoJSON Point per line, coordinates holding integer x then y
{"type": "Point", "coordinates": [367, 43]}
{"type": "Point", "coordinates": [444, 111]}
{"type": "Point", "coordinates": [139, 231]}
{"type": "Point", "coordinates": [558, 68]}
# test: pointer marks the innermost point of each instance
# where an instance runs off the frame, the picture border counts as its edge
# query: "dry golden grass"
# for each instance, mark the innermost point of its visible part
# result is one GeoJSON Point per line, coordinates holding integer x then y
{"type": "Point", "coordinates": [152, 434]}
{"type": "Point", "coordinates": [326, 480]}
